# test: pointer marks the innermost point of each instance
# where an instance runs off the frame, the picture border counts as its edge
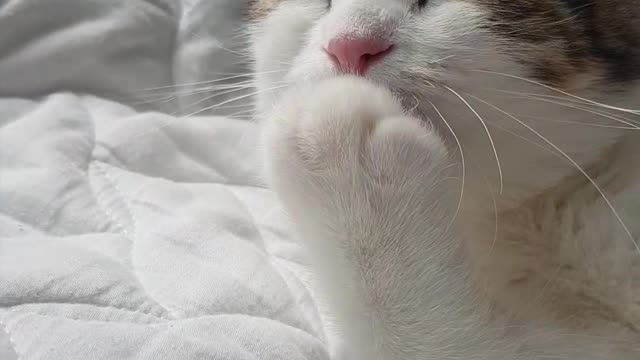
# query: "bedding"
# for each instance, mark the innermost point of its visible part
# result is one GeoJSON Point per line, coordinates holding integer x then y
{"type": "Point", "coordinates": [129, 230]}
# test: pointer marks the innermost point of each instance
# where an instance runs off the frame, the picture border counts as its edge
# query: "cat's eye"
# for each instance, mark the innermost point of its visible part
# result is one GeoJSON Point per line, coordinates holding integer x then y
{"type": "Point", "coordinates": [422, 3]}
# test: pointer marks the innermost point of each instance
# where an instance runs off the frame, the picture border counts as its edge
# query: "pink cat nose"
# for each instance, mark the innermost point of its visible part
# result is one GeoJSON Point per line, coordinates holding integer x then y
{"type": "Point", "coordinates": [356, 55]}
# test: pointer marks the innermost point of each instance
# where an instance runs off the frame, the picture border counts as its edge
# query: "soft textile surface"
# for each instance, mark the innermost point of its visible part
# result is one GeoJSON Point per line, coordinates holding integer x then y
{"type": "Point", "coordinates": [127, 233]}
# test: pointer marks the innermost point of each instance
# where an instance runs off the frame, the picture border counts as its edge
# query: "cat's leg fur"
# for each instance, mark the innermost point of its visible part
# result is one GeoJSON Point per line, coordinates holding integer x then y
{"type": "Point", "coordinates": [368, 190]}
{"type": "Point", "coordinates": [370, 193]}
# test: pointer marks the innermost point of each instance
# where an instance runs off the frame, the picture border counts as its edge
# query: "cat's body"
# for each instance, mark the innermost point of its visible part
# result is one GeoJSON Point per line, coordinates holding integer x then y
{"type": "Point", "coordinates": [537, 259]}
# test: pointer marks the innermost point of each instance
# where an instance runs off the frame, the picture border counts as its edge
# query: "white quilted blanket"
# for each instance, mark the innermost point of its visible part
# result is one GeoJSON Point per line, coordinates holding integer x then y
{"type": "Point", "coordinates": [126, 232]}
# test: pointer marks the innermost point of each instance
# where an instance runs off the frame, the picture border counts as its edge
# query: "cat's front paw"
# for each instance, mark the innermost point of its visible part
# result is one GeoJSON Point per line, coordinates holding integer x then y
{"type": "Point", "coordinates": [347, 137]}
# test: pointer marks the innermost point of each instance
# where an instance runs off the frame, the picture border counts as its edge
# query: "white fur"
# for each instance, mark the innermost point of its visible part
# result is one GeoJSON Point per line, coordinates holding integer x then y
{"type": "Point", "coordinates": [536, 264]}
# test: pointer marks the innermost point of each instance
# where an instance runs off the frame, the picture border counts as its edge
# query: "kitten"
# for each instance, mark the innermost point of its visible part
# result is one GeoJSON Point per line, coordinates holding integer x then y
{"type": "Point", "coordinates": [465, 174]}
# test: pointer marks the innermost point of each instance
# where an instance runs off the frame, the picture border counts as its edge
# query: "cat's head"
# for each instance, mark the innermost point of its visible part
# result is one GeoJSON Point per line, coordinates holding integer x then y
{"type": "Point", "coordinates": [511, 68]}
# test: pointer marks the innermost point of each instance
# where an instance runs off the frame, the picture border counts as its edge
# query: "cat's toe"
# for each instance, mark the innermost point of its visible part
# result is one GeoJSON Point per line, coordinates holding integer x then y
{"type": "Point", "coordinates": [323, 127]}
{"type": "Point", "coordinates": [345, 129]}
{"type": "Point", "coordinates": [404, 151]}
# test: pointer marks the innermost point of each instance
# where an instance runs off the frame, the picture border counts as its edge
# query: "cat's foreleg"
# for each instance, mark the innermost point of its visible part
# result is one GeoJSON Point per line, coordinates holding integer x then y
{"type": "Point", "coordinates": [370, 192]}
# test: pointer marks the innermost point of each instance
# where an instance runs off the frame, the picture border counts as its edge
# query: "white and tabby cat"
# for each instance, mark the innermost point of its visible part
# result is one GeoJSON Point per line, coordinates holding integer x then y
{"type": "Point", "coordinates": [465, 174]}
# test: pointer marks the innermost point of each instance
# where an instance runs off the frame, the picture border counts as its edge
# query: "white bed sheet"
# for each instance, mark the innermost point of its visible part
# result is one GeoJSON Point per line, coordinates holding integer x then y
{"type": "Point", "coordinates": [127, 232]}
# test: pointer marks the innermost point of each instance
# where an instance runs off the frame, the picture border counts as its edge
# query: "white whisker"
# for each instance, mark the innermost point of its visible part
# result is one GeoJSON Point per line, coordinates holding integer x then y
{"type": "Point", "coordinates": [455, 216]}
{"type": "Point", "coordinates": [416, 105]}
{"type": "Point", "coordinates": [244, 114]}
{"type": "Point", "coordinates": [240, 76]}
{"type": "Point", "coordinates": [244, 55]}
{"type": "Point", "coordinates": [630, 111]}
{"type": "Point", "coordinates": [441, 59]}
{"type": "Point", "coordinates": [220, 90]}
{"type": "Point", "coordinates": [493, 146]}
{"type": "Point", "coordinates": [523, 138]}
{"type": "Point", "coordinates": [207, 98]}
{"type": "Point", "coordinates": [570, 159]}
{"type": "Point", "coordinates": [496, 215]}
{"type": "Point", "coordinates": [233, 100]}
{"type": "Point", "coordinates": [541, 118]}
{"type": "Point", "coordinates": [170, 122]}
{"type": "Point", "coordinates": [568, 100]}
{"type": "Point", "coordinates": [227, 77]}
{"type": "Point", "coordinates": [632, 125]}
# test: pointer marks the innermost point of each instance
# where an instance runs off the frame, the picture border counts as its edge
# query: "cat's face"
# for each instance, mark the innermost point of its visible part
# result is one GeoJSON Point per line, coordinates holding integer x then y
{"type": "Point", "coordinates": [502, 67]}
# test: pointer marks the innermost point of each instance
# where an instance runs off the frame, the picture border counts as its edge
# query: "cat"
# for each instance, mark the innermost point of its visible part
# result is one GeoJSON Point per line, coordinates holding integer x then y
{"type": "Point", "coordinates": [464, 174]}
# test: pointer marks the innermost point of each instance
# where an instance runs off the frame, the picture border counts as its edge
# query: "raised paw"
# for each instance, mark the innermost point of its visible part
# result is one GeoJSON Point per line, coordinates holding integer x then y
{"type": "Point", "coordinates": [364, 186]}
{"type": "Point", "coordinates": [347, 135]}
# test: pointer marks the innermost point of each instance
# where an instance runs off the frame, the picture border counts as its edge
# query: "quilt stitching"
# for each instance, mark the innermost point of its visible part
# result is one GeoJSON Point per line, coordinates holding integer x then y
{"type": "Point", "coordinates": [270, 257]}
{"type": "Point", "coordinates": [17, 306]}
{"type": "Point", "coordinates": [100, 199]}
{"type": "Point", "coordinates": [118, 193]}
{"type": "Point", "coordinates": [168, 322]}
{"type": "Point", "coordinates": [162, 323]}
{"type": "Point", "coordinates": [322, 336]}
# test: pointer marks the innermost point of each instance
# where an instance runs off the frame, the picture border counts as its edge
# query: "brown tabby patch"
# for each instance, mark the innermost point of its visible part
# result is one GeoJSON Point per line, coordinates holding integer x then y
{"type": "Point", "coordinates": [567, 41]}
{"type": "Point", "coordinates": [613, 30]}
{"type": "Point", "coordinates": [258, 9]}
